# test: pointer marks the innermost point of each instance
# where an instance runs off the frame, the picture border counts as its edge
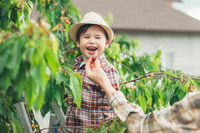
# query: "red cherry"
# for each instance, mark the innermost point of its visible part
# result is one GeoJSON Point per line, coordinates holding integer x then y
{"type": "Point", "coordinates": [93, 59]}
{"type": "Point", "coordinates": [63, 30]}
{"type": "Point", "coordinates": [71, 51]}
{"type": "Point", "coordinates": [67, 21]}
{"type": "Point", "coordinates": [60, 24]}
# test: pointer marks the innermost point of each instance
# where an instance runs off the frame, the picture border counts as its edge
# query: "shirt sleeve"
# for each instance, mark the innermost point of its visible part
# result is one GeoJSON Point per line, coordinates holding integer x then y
{"type": "Point", "coordinates": [122, 107]}
{"type": "Point", "coordinates": [183, 116]}
{"type": "Point", "coordinates": [113, 77]}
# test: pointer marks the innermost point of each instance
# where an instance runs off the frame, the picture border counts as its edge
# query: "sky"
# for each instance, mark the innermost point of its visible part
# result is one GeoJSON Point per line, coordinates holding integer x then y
{"type": "Point", "coordinates": [189, 7]}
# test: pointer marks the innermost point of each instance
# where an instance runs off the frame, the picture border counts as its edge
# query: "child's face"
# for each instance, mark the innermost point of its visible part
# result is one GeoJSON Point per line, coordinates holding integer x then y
{"type": "Point", "coordinates": [93, 42]}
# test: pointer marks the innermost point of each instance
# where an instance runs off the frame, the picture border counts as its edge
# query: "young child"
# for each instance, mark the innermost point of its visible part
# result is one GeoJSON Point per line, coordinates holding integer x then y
{"type": "Point", "coordinates": [92, 35]}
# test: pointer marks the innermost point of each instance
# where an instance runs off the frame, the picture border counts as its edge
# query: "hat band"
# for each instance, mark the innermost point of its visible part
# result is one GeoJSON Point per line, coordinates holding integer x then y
{"type": "Point", "coordinates": [95, 22]}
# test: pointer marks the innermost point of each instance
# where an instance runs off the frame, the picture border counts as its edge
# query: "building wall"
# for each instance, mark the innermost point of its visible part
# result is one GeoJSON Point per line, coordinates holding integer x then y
{"type": "Point", "coordinates": [180, 51]}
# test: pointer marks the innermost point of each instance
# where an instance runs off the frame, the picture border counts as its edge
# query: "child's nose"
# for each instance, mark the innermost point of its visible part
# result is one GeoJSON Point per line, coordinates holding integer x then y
{"type": "Point", "coordinates": [92, 40]}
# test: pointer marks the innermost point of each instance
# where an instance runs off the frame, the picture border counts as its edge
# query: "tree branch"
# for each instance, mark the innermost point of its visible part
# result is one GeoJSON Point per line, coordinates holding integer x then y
{"type": "Point", "coordinates": [65, 11]}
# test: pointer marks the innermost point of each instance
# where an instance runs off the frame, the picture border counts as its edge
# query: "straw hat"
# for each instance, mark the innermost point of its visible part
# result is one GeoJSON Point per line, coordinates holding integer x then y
{"type": "Point", "coordinates": [91, 18]}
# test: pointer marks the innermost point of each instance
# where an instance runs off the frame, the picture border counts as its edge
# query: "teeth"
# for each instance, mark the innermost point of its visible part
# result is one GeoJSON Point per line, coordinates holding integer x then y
{"type": "Point", "coordinates": [91, 48]}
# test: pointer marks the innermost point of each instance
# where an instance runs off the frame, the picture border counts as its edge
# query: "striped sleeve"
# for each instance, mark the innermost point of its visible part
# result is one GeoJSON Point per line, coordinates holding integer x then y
{"type": "Point", "coordinates": [182, 117]}
{"type": "Point", "coordinates": [121, 106]}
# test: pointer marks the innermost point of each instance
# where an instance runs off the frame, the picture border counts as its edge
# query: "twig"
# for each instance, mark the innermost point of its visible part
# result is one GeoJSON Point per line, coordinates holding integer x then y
{"type": "Point", "coordinates": [121, 64]}
{"type": "Point", "coordinates": [157, 74]}
{"type": "Point", "coordinates": [68, 62]}
{"type": "Point", "coordinates": [146, 75]}
{"type": "Point", "coordinates": [65, 11]}
{"type": "Point", "coordinates": [77, 126]}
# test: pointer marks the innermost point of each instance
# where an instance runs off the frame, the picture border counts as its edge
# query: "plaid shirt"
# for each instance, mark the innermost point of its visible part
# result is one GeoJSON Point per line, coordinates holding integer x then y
{"type": "Point", "coordinates": [182, 117]}
{"type": "Point", "coordinates": [94, 105]}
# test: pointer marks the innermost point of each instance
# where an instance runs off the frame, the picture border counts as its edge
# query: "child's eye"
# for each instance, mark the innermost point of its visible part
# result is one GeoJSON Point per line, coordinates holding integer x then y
{"type": "Point", "coordinates": [86, 37]}
{"type": "Point", "coordinates": [98, 37]}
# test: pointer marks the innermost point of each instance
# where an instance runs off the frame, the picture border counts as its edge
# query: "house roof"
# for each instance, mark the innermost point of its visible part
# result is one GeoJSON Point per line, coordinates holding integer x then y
{"type": "Point", "coordinates": [147, 15]}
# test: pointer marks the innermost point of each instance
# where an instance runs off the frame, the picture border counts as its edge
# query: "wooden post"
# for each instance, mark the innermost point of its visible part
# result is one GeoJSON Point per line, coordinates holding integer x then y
{"type": "Point", "coordinates": [23, 117]}
{"type": "Point", "coordinates": [59, 113]}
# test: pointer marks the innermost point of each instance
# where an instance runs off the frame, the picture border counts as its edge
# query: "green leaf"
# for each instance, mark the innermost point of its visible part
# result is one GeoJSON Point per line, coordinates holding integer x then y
{"type": "Point", "coordinates": [31, 91]}
{"type": "Point", "coordinates": [67, 31]}
{"type": "Point", "coordinates": [112, 127]}
{"type": "Point", "coordinates": [14, 16]}
{"type": "Point", "coordinates": [58, 93]}
{"type": "Point", "coordinates": [80, 79]}
{"type": "Point", "coordinates": [14, 116]}
{"type": "Point", "coordinates": [19, 80]}
{"type": "Point", "coordinates": [164, 82]}
{"type": "Point", "coordinates": [4, 128]}
{"type": "Point", "coordinates": [45, 109]}
{"type": "Point", "coordinates": [148, 63]}
{"type": "Point", "coordinates": [156, 63]}
{"type": "Point", "coordinates": [75, 86]}
{"type": "Point", "coordinates": [4, 18]}
{"type": "Point", "coordinates": [159, 53]}
{"type": "Point", "coordinates": [52, 60]}
{"type": "Point", "coordinates": [3, 108]}
{"type": "Point", "coordinates": [61, 77]}
{"type": "Point", "coordinates": [50, 89]}
{"type": "Point", "coordinates": [148, 95]}
{"type": "Point", "coordinates": [171, 74]}
{"type": "Point", "coordinates": [122, 127]}
{"type": "Point", "coordinates": [182, 92]}
{"type": "Point", "coordinates": [143, 103]}
{"type": "Point", "coordinates": [129, 76]}
{"type": "Point", "coordinates": [186, 85]}
{"type": "Point", "coordinates": [38, 73]}
{"type": "Point", "coordinates": [17, 128]}
{"type": "Point", "coordinates": [14, 56]}
{"type": "Point", "coordinates": [103, 129]}
{"type": "Point", "coordinates": [134, 94]}
{"type": "Point", "coordinates": [5, 79]}
{"type": "Point", "coordinates": [140, 89]}
{"type": "Point", "coordinates": [173, 100]}
{"type": "Point", "coordinates": [192, 81]}
{"type": "Point", "coordinates": [3, 58]}
{"type": "Point", "coordinates": [40, 98]}
{"type": "Point", "coordinates": [134, 57]}
{"type": "Point", "coordinates": [89, 131]}
{"type": "Point", "coordinates": [155, 82]}
{"type": "Point", "coordinates": [167, 95]}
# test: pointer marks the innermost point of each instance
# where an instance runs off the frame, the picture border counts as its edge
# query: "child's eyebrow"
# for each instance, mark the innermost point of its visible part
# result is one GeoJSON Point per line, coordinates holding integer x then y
{"type": "Point", "coordinates": [98, 35]}
{"type": "Point", "coordinates": [86, 34]}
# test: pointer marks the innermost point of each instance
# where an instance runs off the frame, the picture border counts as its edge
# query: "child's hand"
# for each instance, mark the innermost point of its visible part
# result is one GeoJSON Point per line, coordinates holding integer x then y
{"type": "Point", "coordinates": [94, 71]}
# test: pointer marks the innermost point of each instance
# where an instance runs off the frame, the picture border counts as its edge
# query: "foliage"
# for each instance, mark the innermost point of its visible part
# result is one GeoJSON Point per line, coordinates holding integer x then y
{"type": "Point", "coordinates": [32, 58]}
{"type": "Point", "coordinates": [37, 58]}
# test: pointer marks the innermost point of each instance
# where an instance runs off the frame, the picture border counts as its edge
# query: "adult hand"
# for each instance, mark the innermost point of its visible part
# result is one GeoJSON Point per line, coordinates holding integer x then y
{"type": "Point", "coordinates": [96, 74]}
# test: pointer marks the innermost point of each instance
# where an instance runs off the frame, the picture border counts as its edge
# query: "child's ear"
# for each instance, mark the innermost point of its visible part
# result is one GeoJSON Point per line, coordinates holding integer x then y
{"type": "Point", "coordinates": [106, 44]}
{"type": "Point", "coordinates": [77, 43]}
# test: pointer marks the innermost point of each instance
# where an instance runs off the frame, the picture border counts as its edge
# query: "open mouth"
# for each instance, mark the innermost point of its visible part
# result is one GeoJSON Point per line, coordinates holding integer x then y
{"type": "Point", "coordinates": [92, 48]}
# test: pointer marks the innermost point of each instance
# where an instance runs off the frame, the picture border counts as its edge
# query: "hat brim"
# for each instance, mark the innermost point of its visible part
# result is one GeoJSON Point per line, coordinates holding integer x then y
{"type": "Point", "coordinates": [74, 29]}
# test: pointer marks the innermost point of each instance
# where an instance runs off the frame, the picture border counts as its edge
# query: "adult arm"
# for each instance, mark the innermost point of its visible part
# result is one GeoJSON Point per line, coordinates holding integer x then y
{"type": "Point", "coordinates": [183, 116]}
